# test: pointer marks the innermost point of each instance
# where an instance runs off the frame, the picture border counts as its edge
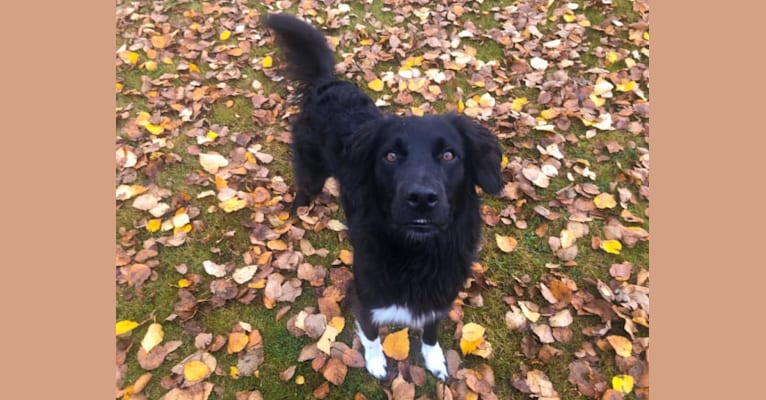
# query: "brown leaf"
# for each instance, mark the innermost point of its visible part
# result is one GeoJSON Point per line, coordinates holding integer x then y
{"type": "Point", "coordinates": [287, 374]}
{"type": "Point", "coordinates": [322, 391]}
{"type": "Point", "coordinates": [156, 356]}
{"type": "Point", "coordinates": [403, 390]}
{"type": "Point", "coordinates": [506, 243]}
{"type": "Point", "coordinates": [138, 274]}
{"type": "Point", "coordinates": [335, 371]}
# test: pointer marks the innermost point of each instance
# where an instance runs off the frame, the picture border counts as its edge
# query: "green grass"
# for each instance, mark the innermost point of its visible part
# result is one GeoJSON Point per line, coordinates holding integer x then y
{"type": "Point", "coordinates": [157, 297]}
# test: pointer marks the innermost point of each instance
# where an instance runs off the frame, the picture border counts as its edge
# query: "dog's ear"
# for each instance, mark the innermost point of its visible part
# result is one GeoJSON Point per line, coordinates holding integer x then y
{"type": "Point", "coordinates": [484, 154]}
{"type": "Point", "coordinates": [360, 149]}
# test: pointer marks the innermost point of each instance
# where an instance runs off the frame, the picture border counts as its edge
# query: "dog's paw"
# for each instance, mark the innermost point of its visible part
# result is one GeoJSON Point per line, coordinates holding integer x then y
{"type": "Point", "coordinates": [375, 362]}
{"type": "Point", "coordinates": [435, 361]}
{"type": "Point", "coordinates": [374, 359]}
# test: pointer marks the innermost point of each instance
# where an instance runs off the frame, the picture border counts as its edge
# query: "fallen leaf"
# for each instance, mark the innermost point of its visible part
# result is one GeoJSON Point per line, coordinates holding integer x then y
{"type": "Point", "coordinates": [335, 371]}
{"type": "Point", "coordinates": [506, 243]}
{"type": "Point", "coordinates": [236, 343]}
{"type": "Point", "coordinates": [196, 371]}
{"type": "Point", "coordinates": [212, 162]}
{"type": "Point", "coordinates": [611, 246]}
{"type": "Point", "coordinates": [397, 345]}
{"type": "Point", "coordinates": [219, 271]}
{"type": "Point", "coordinates": [604, 200]}
{"type": "Point", "coordinates": [622, 383]}
{"type": "Point", "coordinates": [153, 337]}
{"type": "Point", "coordinates": [621, 345]}
{"type": "Point", "coordinates": [376, 85]}
{"type": "Point", "coordinates": [125, 326]}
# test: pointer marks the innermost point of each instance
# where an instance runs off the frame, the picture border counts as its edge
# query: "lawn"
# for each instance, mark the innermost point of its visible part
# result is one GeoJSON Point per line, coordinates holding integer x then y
{"type": "Point", "coordinates": [222, 294]}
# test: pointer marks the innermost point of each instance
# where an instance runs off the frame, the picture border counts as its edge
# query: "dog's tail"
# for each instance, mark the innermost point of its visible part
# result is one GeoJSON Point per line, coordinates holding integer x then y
{"type": "Point", "coordinates": [305, 48]}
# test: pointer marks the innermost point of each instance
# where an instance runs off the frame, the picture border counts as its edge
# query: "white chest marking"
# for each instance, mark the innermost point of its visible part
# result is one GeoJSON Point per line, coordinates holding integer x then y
{"type": "Point", "coordinates": [400, 315]}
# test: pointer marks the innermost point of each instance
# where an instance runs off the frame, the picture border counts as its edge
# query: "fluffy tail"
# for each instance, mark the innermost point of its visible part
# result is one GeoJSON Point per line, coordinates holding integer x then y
{"type": "Point", "coordinates": [305, 48]}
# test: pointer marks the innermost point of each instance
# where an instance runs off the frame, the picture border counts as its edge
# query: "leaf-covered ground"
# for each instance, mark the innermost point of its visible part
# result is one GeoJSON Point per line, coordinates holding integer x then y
{"type": "Point", "coordinates": [222, 294]}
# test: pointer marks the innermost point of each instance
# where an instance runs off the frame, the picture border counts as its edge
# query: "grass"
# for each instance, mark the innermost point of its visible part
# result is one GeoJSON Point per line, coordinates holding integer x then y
{"type": "Point", "coordinates": [158, 296]}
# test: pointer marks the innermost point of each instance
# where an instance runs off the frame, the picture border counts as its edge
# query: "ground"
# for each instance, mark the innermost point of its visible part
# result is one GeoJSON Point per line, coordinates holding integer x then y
{"type": "Point", "coordinates": [222, 294]}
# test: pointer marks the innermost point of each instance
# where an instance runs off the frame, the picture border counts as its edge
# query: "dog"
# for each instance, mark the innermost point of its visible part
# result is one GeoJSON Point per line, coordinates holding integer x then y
{"type": "Point", "coordinates": [407, 188]}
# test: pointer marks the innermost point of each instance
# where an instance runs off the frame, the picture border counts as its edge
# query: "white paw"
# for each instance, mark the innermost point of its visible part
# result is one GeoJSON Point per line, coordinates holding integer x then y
{"type": "Point", "coordinates": [435, 361]}
{"type": "Point", "coordinates": [375, 362]}
{"type": "Point", "coordinates": [374, 359]}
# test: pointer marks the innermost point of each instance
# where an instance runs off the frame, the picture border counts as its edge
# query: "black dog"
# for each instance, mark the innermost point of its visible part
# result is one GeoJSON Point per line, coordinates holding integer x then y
{"type": "Point", "coordinates": [407, 189]}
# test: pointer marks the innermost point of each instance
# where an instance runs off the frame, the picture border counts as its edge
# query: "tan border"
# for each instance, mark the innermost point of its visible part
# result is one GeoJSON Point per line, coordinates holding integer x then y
{"type": "Point", "coordinates": [57, 296]}
{"type": "Point", "coordinates": [707, 226]}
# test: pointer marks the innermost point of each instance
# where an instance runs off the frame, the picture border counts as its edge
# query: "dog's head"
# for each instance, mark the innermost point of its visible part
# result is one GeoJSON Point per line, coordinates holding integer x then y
{"type": "Point", "coordinates": [422, 169]}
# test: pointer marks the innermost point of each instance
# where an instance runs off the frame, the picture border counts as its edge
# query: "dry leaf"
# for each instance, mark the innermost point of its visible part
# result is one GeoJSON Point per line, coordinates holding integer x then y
{"type": "Point", "coordinates": [505, 243]}
{"type": "Point", "coordinates": [621, 345]}
{"type": "Point", "coordinates": [153, 337]}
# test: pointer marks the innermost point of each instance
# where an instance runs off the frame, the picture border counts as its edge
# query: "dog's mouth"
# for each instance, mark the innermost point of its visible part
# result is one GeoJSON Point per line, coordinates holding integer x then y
{"type": "Point", "coordinates": [421, 225]}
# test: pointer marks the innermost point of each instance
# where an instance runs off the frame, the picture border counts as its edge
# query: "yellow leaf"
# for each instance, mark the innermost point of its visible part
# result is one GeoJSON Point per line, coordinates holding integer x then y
{"type": "Point", "coordinates": [186, 228]}
{"type": "Point", "coordinates": [153, 225]}
{"type": "Point", "coordinates": [153, 337]}
{"type": "Point", "coordinates": [125, 326]}
{"type": "Point", "coordinates": [129, 57]}
{"type": "Point", "coordinates": [416, 111]}
{"type": "Point", "coordinates": [549, 113]}
{"type": "Point", "coordinates": [224, 35]}
{"type": "Point", "coordinates": [460, 106]}
{"type": "Point", "coordinates": [504, 162]}
{"type": "Point", "coordinates": [376, 85]}
{"type": "Point", "coordinates": [597, 101]}
{"type": "Point", "coordinates": [611, 246]}
{"type": "Point", "coordinates": [346, 257]}
{"type": "Point", "coordinates": [611, 57]}
{"type": "Point", "coordinates": [195, 371]}
{"type": "Point", "coordinates": [233, 204]}
{"type": "Point", "coordinates": [604, 200]}
{"type": "Point", "coordinates": [625, 85]}
{"type": "Point", "coordinates": [154, 129]}
{"type": "Point", "coordinates": [517, 104]}
{"type": "Point", "coordinates": [646, 35]}
{"type": "Point", "coordinates": [569, 17]}
{"type": "Point", "coordinates": [150, 65]}
{"type": "Point", "coordinates": [473, 331]}
{"type": "Point", "coordinates": [194, 68]}
{"type": "Point", "coordinates": [159, 42]}
{"type": "Point", "coordinates": [236, 343]}
{"type": "Point", "coordinates": [338, 323]}
{"type": "Point", "coordinates": [327, 339]}
{"type": "Point", "coordinates": [184, 283]}
{"type": "Point", "coordinates": [621, 345]}
{"type": "Point", "coordinates": [505, 243]}
{"type": "Point", "coordinates": [234, 372]}
{"type": "Point", "coordinates": [300, 380]}
{"type": "Point", "coordinates": [365, 42]}
{"type": "Point", "coordinates": [267, 62]}
{"type": "Point", "coordinates": [397, 345]}
{"type": "Point", "coordinates": [622, 383]}
{"type": "Point", "coordinates": [468, 347]}
{"type": "Point", "coordinates": [118, 86]}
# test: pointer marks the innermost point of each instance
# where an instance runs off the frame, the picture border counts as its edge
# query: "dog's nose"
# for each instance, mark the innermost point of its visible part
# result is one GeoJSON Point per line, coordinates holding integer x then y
{"type": "Point", "coordinates": [422, 198]}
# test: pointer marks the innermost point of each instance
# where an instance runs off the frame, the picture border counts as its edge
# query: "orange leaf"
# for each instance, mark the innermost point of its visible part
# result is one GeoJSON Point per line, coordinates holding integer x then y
{"type": "Point", "coordinates": [397, 345]}
{"type": "Point", "coordinates": [237, 342]}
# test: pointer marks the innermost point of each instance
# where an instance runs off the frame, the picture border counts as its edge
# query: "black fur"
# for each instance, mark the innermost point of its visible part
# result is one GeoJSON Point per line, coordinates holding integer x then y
{"type": "Point", "coordinates": [407, 183]}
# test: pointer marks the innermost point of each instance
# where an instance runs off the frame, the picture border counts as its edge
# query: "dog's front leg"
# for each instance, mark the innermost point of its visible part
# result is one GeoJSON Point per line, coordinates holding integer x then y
{"type": "Point", "coordinates": [375, 360]}
{"type": "Point", "coordinates": [432, 352]}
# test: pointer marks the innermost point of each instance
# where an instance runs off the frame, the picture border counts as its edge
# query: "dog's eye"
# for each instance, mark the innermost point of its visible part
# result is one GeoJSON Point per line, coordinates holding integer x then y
{"type": "Point", "coordinates": [391, 157]}
{"type": "Point", "coordinates": [448, 156]}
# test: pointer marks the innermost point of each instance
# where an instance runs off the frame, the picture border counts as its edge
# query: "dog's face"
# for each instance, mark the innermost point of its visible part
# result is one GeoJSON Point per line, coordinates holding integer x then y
{"type": "Point", "coordinates": [423, 167]}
